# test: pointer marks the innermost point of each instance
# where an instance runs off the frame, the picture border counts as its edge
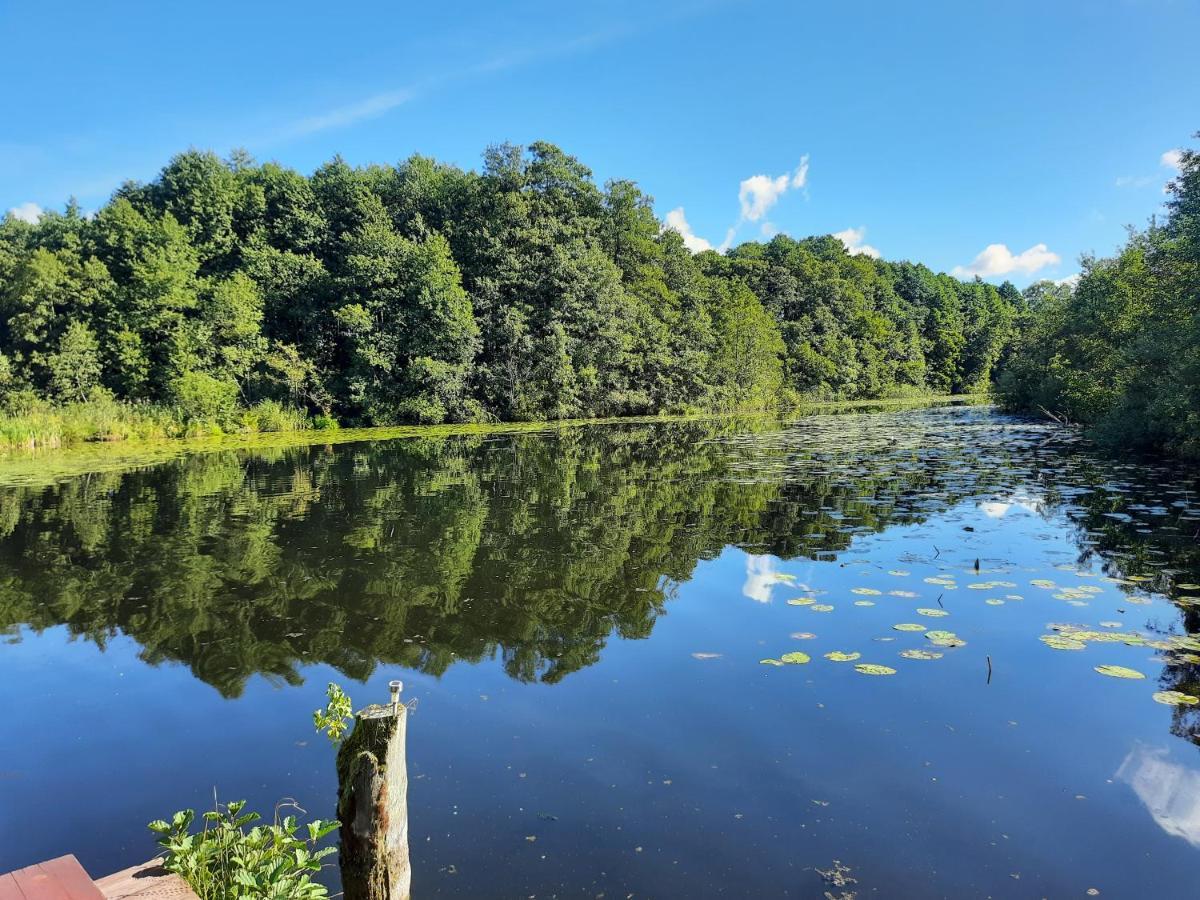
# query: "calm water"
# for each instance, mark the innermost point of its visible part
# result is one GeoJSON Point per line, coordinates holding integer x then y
{"type": "Point", "coordinates": [581, 615]}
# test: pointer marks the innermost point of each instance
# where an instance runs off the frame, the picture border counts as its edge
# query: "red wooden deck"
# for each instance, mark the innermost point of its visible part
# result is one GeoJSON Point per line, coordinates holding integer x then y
{"type": "Point", "coordinates": [65, 879]}
{"type": "Point", "coordinates": [56, 879]}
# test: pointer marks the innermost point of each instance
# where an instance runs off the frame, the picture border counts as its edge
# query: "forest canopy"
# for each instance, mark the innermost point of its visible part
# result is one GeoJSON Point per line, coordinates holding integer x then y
{"type": "Point", "coordinates": [1120, 352]}
{"type": "Point", "coordinates": [425, 293]}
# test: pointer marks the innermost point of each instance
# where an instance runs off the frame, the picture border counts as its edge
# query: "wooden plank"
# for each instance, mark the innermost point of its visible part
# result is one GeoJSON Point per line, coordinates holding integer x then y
{"type": "Point", "coordinates": [9, 889]}
{"type": "Point", "coordinates": [72, 876]}
{"type": "Point", "coordinates": [38, 884]}
{"type": "Point", "coordinates": [145, 882]}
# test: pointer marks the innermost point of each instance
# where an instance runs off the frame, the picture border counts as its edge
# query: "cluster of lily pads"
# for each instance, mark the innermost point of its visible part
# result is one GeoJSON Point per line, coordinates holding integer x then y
{"type": "Point", "coordinates": [1182, 647]}
{"type": "Point", "coordinates": [938, 638]}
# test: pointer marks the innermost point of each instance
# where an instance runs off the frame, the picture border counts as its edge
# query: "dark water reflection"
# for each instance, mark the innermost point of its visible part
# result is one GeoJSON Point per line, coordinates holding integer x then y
{"type": "Point", "coordinates": [582, 613]}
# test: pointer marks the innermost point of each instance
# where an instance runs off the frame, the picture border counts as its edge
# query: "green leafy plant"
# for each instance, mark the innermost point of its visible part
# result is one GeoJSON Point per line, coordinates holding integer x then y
{"type": "Point", "coordinates": [231, 858]}
{"type": "Point", "coordinates": [335, 717]}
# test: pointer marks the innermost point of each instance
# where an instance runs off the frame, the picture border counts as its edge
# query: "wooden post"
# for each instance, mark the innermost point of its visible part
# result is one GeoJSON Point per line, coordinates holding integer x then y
{"type": "Point", "coordinates": [373, 804]}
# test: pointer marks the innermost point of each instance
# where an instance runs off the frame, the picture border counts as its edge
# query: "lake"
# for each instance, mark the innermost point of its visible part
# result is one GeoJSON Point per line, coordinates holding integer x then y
{"type": "Point", "coordinates": [593, 622]}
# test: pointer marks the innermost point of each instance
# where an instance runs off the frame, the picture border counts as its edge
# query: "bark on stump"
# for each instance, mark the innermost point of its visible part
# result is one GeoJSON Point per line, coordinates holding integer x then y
{"type": "Point", "coordinates": [373, 806]}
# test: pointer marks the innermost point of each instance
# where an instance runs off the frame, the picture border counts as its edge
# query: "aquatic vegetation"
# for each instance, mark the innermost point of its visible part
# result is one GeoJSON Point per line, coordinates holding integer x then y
{"type": "Point", "coordinates": [801, 601]}
{"type": "Point", "coordinates": [932, 612]}
{"type": "Point", "coordinates": [994, 601]}
{"type": "Point", "coordinates": [1175, 698]}
{"type": "Point", "coordinates": [802, 635]}
{"type": "Point", "coordinates": [1119, 672]}
{"type": "Point", "coordinates": [1059, 642]}
{"type": "Point", "coordinates": [795, 658]}
{"type": "Point", "coordinates": [908, 626]}
{"type": "Point", "coordinates": [821, 607]}
{"type": "Point", "coordinates": [868, 592]}
{"type": "Point", "coordinates": [864, 602]}
{"type": "Point", "coordinates": [874, 669]}
{"type": "Point", "coordinates": [920, 654]}
{"type": "Point", "coordinates": [770, 662]}
{"type": "Point", "coordinates": [945, 639]}
{"type": "Point", "coordinates": [839, 656]}
{"type": "Point", "coordinates": [908, 594]}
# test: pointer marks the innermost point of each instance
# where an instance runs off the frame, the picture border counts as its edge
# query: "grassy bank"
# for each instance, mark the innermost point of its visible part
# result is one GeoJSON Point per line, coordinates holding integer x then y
{"type": "Point", "coordinates": [44, 463]}
{"type": "Point", "coordinates": [43, 426]}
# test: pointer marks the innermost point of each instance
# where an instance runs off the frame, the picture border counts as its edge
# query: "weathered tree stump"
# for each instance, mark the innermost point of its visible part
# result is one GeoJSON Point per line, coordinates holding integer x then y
{"type": "Point", "coordinates": [373, 804]}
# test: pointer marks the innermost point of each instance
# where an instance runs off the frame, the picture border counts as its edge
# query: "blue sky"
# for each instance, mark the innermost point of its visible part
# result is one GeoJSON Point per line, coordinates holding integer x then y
{"type": "Point", "coordinates": [928, 131]}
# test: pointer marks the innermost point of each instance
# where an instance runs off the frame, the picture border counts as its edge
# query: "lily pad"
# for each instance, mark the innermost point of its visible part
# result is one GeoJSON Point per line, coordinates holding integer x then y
{"type": "Point", "coordinates": [1044, 583]}
{"type": "Point", "coordinates": [945, 639]}
{"type": "Point", "coordinates": [908, 626]}
{"type": "Point", "coordinates": [839, 656]}
{"type": "Point", "coordinates": [932, 613]}
{"type": "Point", "coordinates": [866, 592]}
{"type": "Point", "coordinates": [801, 601]}
{"type": "Point", "coordinates": [1060, 642]}
{"type": "Point", "coordinates": [903, 593]}
{"type": "Point", "coordinates": [795, 658]}
{"type": "Point", "coordinates": [802, 635]}
{"type": "Point", "coordinates": [920, 654]}
{"type": "Point", "coordinates": [874, 669]}
{"type": "Point", "coordinates": [1175, 698]}
{"type": "Point", "coordinates": [770, 662]}
{"type": "Point", "coordinates": [821, 607]}
{"type": "Point", "coordinates": [994, 601]}
{"type": "Point", "coordinates": [1119, 672]}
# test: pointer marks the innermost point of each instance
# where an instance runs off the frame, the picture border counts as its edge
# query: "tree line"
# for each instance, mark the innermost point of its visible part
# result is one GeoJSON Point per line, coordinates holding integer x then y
{"type": "Point", "coordinates": [1120, 352]}
{"type": "Point", "coordinates": [426, 293]}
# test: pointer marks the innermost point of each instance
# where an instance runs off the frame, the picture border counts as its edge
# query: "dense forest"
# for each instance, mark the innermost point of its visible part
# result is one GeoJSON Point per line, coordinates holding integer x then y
{"type": "Point", "coordinates": [227, 294]}
{"type": "Point", "coordinates": [1121, 351]}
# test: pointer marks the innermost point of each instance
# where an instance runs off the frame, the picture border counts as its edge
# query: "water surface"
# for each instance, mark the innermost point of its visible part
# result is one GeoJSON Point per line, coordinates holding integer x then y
{"type": "Point", "coordinates": [582, 615]}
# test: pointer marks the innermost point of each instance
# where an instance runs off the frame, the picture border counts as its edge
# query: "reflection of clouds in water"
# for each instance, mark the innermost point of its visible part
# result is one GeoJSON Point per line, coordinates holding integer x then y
{"type": "Point", "coordinates": [1171, 792]}
{"type": "Point", "coordinates": [998, 509]}
{"type": "Point", "coordinates": [761, 575]}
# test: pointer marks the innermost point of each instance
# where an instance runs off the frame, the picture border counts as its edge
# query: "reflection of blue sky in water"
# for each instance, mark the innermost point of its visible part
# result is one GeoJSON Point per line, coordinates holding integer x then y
{"type": "Point", "coordinates": [1170, 791]}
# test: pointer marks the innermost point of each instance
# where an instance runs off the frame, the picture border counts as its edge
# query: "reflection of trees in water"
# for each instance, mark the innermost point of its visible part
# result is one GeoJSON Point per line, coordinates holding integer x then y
{"type": "Point", "coordinates": [1141, 522]}
{"type": "Point", "coordinates": [536, 547]}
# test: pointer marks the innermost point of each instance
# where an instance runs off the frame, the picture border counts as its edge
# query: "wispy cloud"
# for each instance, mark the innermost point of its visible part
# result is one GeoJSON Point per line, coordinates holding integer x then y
{"type": "Point", "coordinates": [852, 239]}
{"type": "Point", "coordinates": [997, 259]}
{"type": "Point", "coordinates": [26, 212]}
{"type": "Point", "coordinates": [344, 116]}
{"type": "Point", "coordinates": [382, 103]}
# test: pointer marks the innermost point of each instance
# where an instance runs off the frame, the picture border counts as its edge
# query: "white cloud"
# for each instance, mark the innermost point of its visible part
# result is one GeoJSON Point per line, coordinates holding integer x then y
{"type": "Point", "coordinates": [761, 576]}
{"type": "Point", "coordinates": [1172, 159]}
{"type": "Point", "coordinates": [852, 238]}
{"type": "Point", "coordinates": [677, 222]}
{"type": "Point", "coordinates": [1169, 791]}
{"type": "Point", "coordinates": [728, 242]}
{"type": "Point", "coordinates": [758, 193]}
{"type": "Point", "coordinates": [1070, 281]}
{"type": "Point", "coordinates": [26, 212]}
{"type": "Point", "coordinates": [997, 259]}
{"type": "Point", "coordinates": [768, 229]}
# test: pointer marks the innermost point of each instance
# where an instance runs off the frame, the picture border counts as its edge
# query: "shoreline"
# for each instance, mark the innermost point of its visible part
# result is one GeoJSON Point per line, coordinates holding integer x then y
{"type": "Point", "coordinates": [41, 467]}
